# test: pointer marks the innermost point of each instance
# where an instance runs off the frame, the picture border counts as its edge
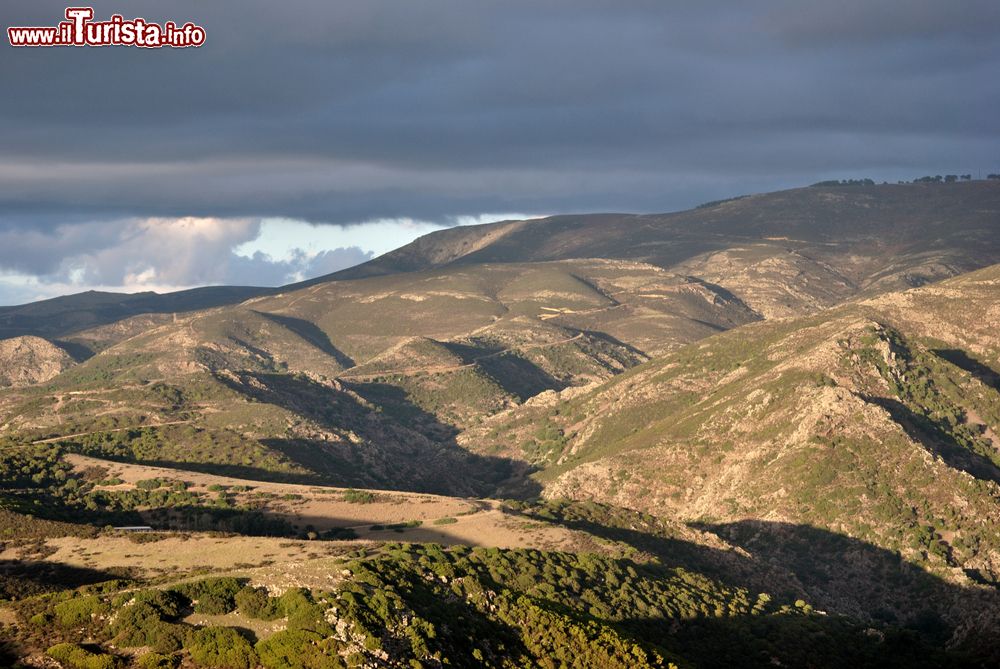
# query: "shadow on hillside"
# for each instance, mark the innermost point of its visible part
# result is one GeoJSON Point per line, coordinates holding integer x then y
{"type": "Point", "coordinates": [76, 350]}
{"type": "Point", "coordinates": [832, 572]}
{"type": "Point", "coordinates": [402, 448]}
{"type": "Point", "coordinates": [394, 402]}
{"type": "Point", "coordinates": [517, 375]}
{"type": "Point", "coordinates": [841, 574]}
{"type": "Point", "coordinates": [9, 653]}
{"type": "Point", "coordinates": [469, 353]}
{"type": "Point", "coordinates": [206, 518]}
{"type": "Point", "coordinates": [938, 441]}
{"type": "Point", "coordinates": [312, 334]}
{"type": "Point", "coordinates": [615, 342]}
{"type": "Point", "coordinates": [793, 640]}
{"type": "Point", "coordinates": [26, 578]}
{"type": "Point", "coordinates": [215, 469]}
{"type": "Point", "coordinates": [977, 369]}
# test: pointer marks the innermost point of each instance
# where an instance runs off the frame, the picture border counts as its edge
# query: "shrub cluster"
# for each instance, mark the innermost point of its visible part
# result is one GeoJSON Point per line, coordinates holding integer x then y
{"type": "Point", "coordinates": [77, 657]}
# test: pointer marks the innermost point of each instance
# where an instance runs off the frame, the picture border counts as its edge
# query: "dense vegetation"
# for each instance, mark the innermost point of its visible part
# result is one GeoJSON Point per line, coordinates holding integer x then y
{"type": "Point", "coordinates": [424, 605]}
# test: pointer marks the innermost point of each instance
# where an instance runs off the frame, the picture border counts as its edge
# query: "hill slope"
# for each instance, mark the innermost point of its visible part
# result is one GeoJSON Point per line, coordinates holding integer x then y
{"type": "Point", "coordinates": [877, 420]}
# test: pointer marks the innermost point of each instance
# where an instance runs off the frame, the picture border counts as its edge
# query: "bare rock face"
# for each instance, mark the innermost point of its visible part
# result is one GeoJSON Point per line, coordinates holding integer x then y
{"type": "Point", "coordinates": [25, 361]}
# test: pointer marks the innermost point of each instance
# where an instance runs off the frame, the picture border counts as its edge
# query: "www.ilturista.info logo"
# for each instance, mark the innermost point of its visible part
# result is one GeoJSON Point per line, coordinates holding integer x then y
{"type": "Point", "coordinates": [79, 29]}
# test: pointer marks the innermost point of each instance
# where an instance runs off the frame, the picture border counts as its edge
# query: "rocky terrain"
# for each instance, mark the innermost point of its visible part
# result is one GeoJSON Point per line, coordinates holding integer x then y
{"type": "Point", "coordinates": [28, 360]}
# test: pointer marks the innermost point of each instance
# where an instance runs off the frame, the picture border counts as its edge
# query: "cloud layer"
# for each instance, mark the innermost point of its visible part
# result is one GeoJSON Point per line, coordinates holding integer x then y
{"type": "Point", "coordinates": [151, 254]}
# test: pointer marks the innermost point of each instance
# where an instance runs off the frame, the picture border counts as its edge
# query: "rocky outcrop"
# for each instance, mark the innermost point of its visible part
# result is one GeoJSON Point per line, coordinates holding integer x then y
{"type": "Point", "coordinates": [25, 361]}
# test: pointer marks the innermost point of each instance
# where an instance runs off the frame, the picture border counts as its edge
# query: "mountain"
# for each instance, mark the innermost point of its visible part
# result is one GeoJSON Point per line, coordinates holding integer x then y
{"type": "Point", "coordinates": [485, 319]}
{"type": "Point", "coordinates": [60, 316]}
{"type": "Point", "coordinates": [780, 252]}
{"type": "Point", "coordinates": [763, 432]}
{"type": "Point", "coordinates": [371, 381]}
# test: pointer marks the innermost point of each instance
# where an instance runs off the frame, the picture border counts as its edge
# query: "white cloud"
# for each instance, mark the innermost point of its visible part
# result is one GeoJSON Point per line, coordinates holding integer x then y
{"type": "Point", "coordinates": [283, 238]}
{"type": "Point", "coordinates": [165, 254]}
{"type": "Point", "coordinates": [158, 254]}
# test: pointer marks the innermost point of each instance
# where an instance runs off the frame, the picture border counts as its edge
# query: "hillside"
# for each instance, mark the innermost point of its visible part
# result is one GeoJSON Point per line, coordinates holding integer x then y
{"type": "Point", "coordinates": [779, 252]}
{"type": "Point", "coordinates": [762, 432]}
{"type": "Point", "coordinates": [360, 382]}
{"type": "Point", "coordinates": [594, 586]}
{"type": "Point", "coordinates": [876, 420]}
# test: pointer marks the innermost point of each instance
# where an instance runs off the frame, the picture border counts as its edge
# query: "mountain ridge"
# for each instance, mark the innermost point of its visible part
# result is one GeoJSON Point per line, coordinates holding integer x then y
{"type": "Point", "coordinates": [784, 228]}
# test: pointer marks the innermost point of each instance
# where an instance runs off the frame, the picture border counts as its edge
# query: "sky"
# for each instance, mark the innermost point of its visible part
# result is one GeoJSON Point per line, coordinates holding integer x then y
{"type": "Point", "coordinates": [309, 136]}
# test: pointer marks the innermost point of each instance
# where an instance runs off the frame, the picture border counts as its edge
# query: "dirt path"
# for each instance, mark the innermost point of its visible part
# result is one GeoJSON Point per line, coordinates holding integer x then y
{"type": "Point", "coordinates": [52, 440]}
{"type": "Point", "coordinates": [440, 369]}
{"type": "Point", "coordinates": [973, 419]}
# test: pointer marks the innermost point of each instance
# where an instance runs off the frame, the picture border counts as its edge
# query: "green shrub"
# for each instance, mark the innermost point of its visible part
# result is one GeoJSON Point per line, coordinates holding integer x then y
{"type": "Point", "coordinates": [212, 596]}
{"type": "Point", "coordinates": [340, 533]}
{"type": "Point", "coordinates": [221, 647]}
{"type": "Point", "coordinates": [446, 521]}
{"type": "Point", "coordinates": [79, 610]}
{"type": "Point", "coordinates": [159, 635]}
{"type": "Point", "coordinates": [255, 603]}
{"type": "Point", "coordinates": [214, 604]}
{"type": "Point", "coordinates": [359, 496]}
{"type": "Point", "coordinates": [135, 625]}
{"type": "Point", "coordinates": [145, 621]}
{"type": "Point", "coordinates": [148, 484]}
{"type": "Point", "coordinates": [169, 603]}
{"type": "Point", "coordinates": [40, 619]}
{"type": "Point", "coordinates": [299, 649]}
{"type": "Point", "coordinates": [302, 611]}
{"type": "Point", "coordinates": [158, 661]}
{"type": "Point", "coordinates": [295, 601]}
{"type": "Point", "coordinates": [75, 656]}
{"type": "Point", "coordinates": [170, 637]}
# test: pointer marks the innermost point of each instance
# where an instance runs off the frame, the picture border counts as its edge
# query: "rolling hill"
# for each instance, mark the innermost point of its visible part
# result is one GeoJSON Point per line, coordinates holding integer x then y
{"type": "Point", "coordinates": [337, 378]}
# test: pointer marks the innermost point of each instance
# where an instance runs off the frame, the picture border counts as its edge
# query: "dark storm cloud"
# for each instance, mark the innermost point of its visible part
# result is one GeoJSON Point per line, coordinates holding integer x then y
{"type": "Point", "coordinates": [343, 112]}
